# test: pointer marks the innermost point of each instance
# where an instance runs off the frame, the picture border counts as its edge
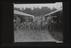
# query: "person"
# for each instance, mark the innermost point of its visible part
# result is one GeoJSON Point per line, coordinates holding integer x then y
{"type": "Point", "coordinates": [16, 22]}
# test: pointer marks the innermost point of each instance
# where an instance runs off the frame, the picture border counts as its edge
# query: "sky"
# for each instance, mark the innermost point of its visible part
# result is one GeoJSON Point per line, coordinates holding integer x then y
{"type": "Point", "coordinates": [57, 5]}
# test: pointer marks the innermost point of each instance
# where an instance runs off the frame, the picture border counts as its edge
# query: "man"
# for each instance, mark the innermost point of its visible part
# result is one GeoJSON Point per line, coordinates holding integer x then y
{"type": "Point", "coordinates": [16, 22]}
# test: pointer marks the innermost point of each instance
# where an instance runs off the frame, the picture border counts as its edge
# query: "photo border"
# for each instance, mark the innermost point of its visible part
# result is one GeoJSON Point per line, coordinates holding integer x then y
{"type": "Point", "coordinates": [8, 33]}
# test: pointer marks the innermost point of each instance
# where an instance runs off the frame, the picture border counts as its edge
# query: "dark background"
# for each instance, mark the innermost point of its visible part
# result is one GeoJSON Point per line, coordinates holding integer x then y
{"type": "Point", "coordinates": [7, 34]}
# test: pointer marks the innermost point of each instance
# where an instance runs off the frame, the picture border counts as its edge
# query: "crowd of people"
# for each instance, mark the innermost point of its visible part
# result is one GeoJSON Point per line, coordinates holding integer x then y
{"type": "Point", "coordinates": [50, 23]}
{"type": "Point", "coordinates": [38, 22]}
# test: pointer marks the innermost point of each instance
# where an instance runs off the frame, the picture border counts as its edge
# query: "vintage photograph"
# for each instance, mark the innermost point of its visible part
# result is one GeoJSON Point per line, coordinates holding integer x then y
{"type": "Point", "coordinates": [41, 22]}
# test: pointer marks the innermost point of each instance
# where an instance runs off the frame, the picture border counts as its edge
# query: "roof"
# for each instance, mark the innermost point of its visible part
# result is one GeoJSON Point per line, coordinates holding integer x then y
{"type": "Point", "coordinates": [22, 13]}
{"type": "Point", "coordinates": [53, 12]}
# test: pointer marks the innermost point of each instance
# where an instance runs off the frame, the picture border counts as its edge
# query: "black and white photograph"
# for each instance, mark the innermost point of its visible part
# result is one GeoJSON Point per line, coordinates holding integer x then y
{"type": "Point", "coordinates": [41, 22]}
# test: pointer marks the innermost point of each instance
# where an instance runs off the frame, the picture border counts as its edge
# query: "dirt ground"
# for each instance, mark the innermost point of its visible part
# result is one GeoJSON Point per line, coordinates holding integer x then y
{"type": "Point", "coordinates": [33, 36]}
